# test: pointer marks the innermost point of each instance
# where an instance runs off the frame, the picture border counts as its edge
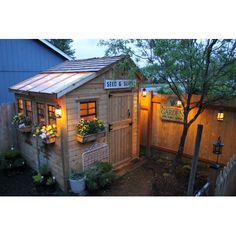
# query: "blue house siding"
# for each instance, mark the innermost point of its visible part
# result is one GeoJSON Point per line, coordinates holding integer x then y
{"type": "Point", "coordinates": [21, 59]}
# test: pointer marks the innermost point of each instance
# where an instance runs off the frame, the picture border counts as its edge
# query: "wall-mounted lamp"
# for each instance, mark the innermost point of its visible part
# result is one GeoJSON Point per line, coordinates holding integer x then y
{"type": "Point", "coordinates": [58, 111]}
{"type": "Point", "coordinates": [144, 92]}
{"type": "Point", "coordinates": [220, 115]}
{"type": "Point", "coordinates": [178, 103]}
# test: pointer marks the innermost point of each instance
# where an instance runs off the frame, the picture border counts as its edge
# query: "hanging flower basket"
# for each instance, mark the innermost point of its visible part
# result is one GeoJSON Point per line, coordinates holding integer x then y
{"type": "Point", "coordinates": [47, 133]}
{"type": "Point", "coordinates": [49, 140]}
{"type": "Point", "coordinates": [89, 137]}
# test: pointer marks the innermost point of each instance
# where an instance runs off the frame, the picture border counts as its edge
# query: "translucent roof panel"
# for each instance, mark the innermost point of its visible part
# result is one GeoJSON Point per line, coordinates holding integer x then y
{"type": "Point", "coordinates": [50, 83]}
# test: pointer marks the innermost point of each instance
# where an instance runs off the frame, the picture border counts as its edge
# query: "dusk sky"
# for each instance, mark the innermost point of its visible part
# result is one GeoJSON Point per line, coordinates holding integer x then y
{"type": "Point", "coordinates": [87, 48]}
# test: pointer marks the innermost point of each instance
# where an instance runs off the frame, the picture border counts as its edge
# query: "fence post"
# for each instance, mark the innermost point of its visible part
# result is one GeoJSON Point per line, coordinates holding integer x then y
{"type": "Point", "coordinates": [149, 125]}
{"type": "Point", "coordinates": [194, 161]}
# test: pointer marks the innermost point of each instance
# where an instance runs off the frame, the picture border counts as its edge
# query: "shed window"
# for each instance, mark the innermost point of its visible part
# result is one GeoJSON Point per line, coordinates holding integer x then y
{"type": "Point", "coordinates": [51, 115]}
{"type": "Point", "coordinates": [88, 110]}
{"type": "Point", "coordinates": [28, 109]}
{"type": "Point", "coordinates": [20, 106]}
{"type": "Point", "coordinates": [41, 113]}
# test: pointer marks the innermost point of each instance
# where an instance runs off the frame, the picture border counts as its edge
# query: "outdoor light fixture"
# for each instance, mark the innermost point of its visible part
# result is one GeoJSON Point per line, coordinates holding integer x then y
{"type": "Point", "coordinates": [217, 149]}
{"type": "Point", "coordinates": [178, 103]}
{"type": "Point", "coordinates": [58, 111]}
{"type": "Point", "coordinates": [144, 92]}
{"type": "Point", "coordinates": [220, 115]}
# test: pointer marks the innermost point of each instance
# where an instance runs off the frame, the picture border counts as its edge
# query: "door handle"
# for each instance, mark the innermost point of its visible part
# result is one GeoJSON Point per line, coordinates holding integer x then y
{"type": "Point", "coordinates": [110, 127]}
{"type": "Point", "coordinates": [129, 113]}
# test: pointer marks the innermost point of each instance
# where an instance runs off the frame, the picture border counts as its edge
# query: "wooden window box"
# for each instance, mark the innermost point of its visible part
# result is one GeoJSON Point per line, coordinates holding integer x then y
{"type": "Point", "coordinates": [27, 129]}
{"type": "Point", "coordinates": [50, 140]}
{"type": "Point", "coordinates": [89, 137]}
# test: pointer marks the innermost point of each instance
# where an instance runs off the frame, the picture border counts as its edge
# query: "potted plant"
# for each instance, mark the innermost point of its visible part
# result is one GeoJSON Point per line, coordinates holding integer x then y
{"type": "Point", "coordinates": [77, 182]}
{"type": "Point", "coordinates": [44, 181]}
{"type": "Point", "coordinates": [23, 123]}
{"type": "Point", "coordinates": [46, 132]}
{"type": "Point", "coordinates": [89, 130]}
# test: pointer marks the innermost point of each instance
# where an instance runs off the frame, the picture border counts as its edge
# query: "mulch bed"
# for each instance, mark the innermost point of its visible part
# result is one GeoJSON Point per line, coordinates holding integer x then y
{"type": "Point", "coordinates": [152, 178]}
{"type": "Point", "coordinates": [20, 183]}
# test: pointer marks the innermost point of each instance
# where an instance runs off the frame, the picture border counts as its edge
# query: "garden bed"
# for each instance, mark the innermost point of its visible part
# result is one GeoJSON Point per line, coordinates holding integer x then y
{"type": "Point", "coordinates": [145, 177]}
{"type": "Point", "coordinates": [154, 178]}
{"type": "Point", "coordinates": [21, 184]}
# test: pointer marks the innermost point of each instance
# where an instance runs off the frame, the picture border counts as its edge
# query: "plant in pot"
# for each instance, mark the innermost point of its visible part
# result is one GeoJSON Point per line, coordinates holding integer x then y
{"type": "Point", "coordinates": [47, 133]}
{"type": "Point", "coordinates": [77, 182]}
{"type": "Point", "coordinates": [23, 123]}
{"type": "Point", "coordinates": [89, 130]}
{"type": "Point", "coordinates": [44, 181]}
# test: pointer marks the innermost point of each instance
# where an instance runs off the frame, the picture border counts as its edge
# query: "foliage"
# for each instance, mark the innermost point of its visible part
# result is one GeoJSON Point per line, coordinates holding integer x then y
{"type": "Point", "coordinates": [64, 45]}
{"type": "Point", "coordinates": [99, 176]}
{"type": "Point", "coordinates": [45, 131]}
{"type": "Point", "coordinates": [85, 127]}
{"type": "Point", "coordinates": [38, 179]}
{"type": "Point", "coordinates": [203, 67]}
{"type": "Point", "coordinates": [44, 177]}
{"type": "Point", "coordinates": [21, 120]}
{"type": "Point", "coordinates": [44, 170]}
{"type": "Point", "coordinates": [11, 154]}
{"type": "Point", "coordinates": [11, 160]}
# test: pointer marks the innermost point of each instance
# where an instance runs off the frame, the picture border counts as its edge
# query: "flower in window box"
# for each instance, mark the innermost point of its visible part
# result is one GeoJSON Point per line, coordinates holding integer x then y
{"type": "Point", "coordinates": [23, 123]}
{"type": "Point", "coordinates": [88, 130]}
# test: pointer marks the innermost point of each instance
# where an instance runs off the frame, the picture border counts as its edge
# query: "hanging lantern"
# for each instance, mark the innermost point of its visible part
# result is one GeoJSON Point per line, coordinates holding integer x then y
{"type": "Point", "coordinates": [144, 92]}
{"type": "Point", "coordinates": [217, 146]}
{"type": "Point", "coordinates": [58, 111]}
{"type": "Point", "coordinates": [220, 115]}
{"type": "Point", "coordinates": [178, 103]}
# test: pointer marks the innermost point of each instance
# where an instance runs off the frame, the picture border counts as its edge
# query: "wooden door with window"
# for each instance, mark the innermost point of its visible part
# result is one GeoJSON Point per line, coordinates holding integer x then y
{"type": "Point", "coordinates": [120, 127]}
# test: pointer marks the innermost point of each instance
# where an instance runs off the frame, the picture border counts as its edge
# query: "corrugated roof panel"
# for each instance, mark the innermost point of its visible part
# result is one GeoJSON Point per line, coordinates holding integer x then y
{"type": "Point", "coordinates": [28, 81]}
{"type": "Point", "coordinates": [66, 83]}
{"type": "Point", "coordinates": [52, 82]}
{"type": "Point", "coordinates": [41, 81]}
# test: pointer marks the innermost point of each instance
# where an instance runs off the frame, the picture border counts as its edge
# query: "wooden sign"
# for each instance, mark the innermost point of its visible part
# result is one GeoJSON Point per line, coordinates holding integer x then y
{"type": "Point", "coordinates": [115, 84]}
{"type": "Point", "coordinates": [172, 114]}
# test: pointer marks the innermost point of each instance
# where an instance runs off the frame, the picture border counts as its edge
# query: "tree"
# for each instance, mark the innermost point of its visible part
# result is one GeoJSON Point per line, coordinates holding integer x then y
{"type": "Point", "coordinates": [190, 67]}
{"type": "Point", "coordinates": [64, 45]}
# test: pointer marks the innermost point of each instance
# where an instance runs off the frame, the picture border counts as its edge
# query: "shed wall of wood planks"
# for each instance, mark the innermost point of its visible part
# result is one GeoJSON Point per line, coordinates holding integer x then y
{"type": "Point", "coordinates": [166, 134]}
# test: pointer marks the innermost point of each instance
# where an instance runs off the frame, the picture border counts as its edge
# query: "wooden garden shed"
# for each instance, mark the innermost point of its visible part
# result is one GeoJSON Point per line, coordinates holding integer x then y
{"type": "Point", "coordinates": [79, 89]}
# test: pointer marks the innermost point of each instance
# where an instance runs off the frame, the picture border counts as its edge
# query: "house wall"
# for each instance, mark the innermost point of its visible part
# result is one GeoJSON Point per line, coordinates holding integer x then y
{"type": "Point", "coordinates": [21, 59]}
{"type": "Point", "coordinates": [93, 90]}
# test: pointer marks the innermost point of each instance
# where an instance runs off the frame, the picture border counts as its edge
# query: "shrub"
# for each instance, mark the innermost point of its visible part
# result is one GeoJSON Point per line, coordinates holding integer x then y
{"type": "Point", "coordinates": [99, 176]}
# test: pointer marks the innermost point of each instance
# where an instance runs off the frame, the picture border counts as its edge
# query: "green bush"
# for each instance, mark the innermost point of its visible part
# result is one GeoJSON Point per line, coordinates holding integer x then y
{"type": "Point", "coordinates": [99, 176]}
{"type": "Point", "coordinates": [11, 154]}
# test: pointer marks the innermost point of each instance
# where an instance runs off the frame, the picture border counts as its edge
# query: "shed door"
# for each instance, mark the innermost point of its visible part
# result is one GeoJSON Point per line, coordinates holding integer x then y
{"type": "Point", "coordinates": [120, 127]}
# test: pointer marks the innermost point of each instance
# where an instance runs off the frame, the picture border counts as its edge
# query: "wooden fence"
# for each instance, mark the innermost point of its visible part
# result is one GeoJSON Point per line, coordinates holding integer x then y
{"type": "Point", "coordinates": [226, 180]}
{"type": "Point", "coordinates": [159, 131]}
{"type": "Point", "coordinates": [7, 130]}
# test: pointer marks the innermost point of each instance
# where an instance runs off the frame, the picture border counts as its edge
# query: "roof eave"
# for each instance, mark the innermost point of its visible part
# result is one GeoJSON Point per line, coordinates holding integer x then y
{"type": "Point", "coordinates": [44, 41]}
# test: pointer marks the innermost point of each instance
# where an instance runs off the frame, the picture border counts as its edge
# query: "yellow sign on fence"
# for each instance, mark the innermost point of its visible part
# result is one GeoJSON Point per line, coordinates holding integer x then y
{"type": "Point", "coordinates": [172, 114]}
